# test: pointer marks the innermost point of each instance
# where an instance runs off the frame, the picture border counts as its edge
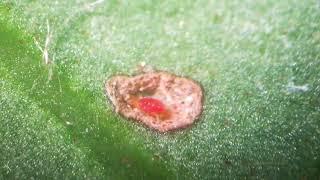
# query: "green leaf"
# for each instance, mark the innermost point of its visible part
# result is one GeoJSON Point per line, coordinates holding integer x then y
{"type": "Point", "coordinates": [258, 63]}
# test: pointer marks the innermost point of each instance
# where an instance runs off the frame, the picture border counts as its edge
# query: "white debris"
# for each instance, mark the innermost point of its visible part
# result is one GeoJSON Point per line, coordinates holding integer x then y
{"type": "Point", "coordinates": [181, 23]}
{"type": "Point", "coordinates": [143, 64]}
{"type": "Point", "coordinates": [261, 88]}
{"type": "Point", "coordinates": [292, 88]}
{"type": "Point", "coordinates": [93, 5]}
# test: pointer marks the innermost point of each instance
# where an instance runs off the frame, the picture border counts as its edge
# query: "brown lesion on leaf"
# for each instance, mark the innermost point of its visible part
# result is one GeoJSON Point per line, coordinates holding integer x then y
{"type": "Point", "coordinates": [181, 96]}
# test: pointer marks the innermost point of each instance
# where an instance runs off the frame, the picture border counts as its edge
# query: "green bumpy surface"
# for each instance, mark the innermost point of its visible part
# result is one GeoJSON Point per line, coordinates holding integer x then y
{"type": "Point", "coordinates": [258, 62]}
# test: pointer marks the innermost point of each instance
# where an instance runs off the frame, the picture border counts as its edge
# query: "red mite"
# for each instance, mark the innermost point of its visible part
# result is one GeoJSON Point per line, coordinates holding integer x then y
{"type": "Point", "coordinates": [150, 106]}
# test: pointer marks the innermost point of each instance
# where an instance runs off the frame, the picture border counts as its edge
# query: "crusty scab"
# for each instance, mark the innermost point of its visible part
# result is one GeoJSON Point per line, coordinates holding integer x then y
{"type": "Point", "coordinates": [181, 96]}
